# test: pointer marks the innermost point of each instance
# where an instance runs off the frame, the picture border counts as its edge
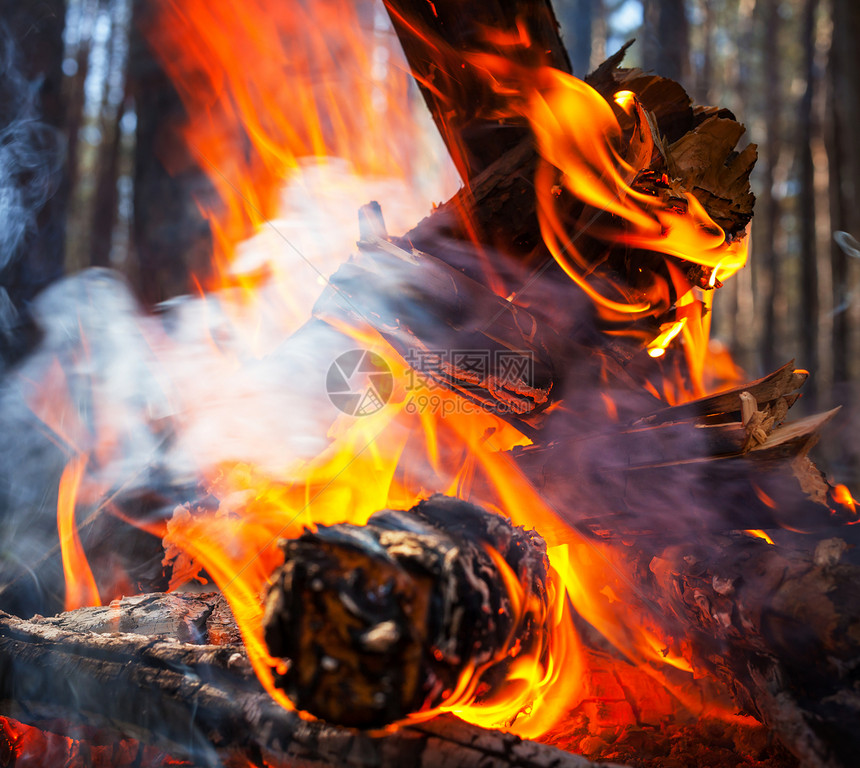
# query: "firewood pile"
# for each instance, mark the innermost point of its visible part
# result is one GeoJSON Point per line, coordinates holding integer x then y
{"type": "Point", "coordinates": [378, 622]}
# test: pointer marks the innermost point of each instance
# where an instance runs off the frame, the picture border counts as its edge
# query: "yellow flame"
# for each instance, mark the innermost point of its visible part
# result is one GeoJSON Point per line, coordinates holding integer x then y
{"type": "Point", "coordinates": [81, 589]}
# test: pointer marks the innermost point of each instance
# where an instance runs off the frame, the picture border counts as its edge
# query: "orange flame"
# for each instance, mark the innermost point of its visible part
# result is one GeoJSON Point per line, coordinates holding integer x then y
{"type": "Point", "coordinates": [274, 104]}
{"type": "Point", "coordinates": [584, 157]}
{"type": "Point", "coordinates": [81, 589]}
{"type": "Point", "coordinates": [841, 495]}
{"type": "Point", "coordinates": [292, 82]}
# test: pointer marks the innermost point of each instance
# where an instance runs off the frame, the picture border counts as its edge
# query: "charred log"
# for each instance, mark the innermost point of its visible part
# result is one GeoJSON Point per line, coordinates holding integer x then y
{"type": "Point", "coordinates": [203, 702]}
{"type": "Point", "coordinates": [381, 621]}
{"type": "Point", "coordinates": [694, 153]}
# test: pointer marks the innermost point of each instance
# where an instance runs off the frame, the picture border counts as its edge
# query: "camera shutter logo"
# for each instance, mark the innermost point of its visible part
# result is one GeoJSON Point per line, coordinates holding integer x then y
{"type": "Point", "coordinates": [359, 382]}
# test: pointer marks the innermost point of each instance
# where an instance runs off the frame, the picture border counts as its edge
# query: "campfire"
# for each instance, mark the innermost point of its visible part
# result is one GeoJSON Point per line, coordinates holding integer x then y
{"type": "Point", "coordinates": [480, 492]}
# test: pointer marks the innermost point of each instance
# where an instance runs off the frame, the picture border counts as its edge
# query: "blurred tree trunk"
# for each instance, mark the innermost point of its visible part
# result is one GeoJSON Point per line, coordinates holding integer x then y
{"type": "Point", "coordinates": [577, 22]}
{"type": "Point", "coordinates": [37, 28]}
{"type": "Point", "coordinates": [77, 98]}
{"type": "Point", "coordinates": [809, 319]}
{"type": "Point", "coordinates": [770, 207]}
{"type": "Point", "coordinates": [106, 198]}
{"type": "Point", "coordinates": [170, 236]}
{"type": "Point", "coordinates": [114, 101]}
{"type": "Point", "coordinates": [705, 74]}
{"type": "Point", "coordinates": [666, 38]}
{"type": "Point", "coordinates": [844, 162]}
{"type": "Point", "coordinates": [740, 309]}
{"type": "Point", "coordinates": [599, 33]}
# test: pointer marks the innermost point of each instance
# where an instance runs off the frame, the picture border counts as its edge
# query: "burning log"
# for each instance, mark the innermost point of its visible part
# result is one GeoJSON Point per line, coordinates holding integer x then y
{"type": "Point", "coordinates": [712, 470]}
{"type": "Point", "coordinates": [692, 154]}
{"type": "Point", "coordinates": [435, 36]}
{"type": "Point", "coordinates": [505, 359]}
{"type": "Point", "coordinates": [202, 701]}
{"type": "Point", "coordinates": [381, 621]}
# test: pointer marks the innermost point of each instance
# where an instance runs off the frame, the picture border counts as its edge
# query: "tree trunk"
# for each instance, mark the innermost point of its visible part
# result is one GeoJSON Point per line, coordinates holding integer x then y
{"type": "Point", "coordinates": [844, 164]}
{"type": "Point", "coordinates": [36, 28]}
{"type": "Point", "coordinates": [577, 22]}
{"type": "Point", "coordinates": [106, 196]}
{"type": "Point", "coordinates": [809, 319]}
{"type": "Point", "coordinates": [170, 236]}
{"type": "Point", "coordinates": [770, 207]}
{"type": "Point", "coordinates": [666, 39]}
{"type": "Point", "coordinates": [844, 156]}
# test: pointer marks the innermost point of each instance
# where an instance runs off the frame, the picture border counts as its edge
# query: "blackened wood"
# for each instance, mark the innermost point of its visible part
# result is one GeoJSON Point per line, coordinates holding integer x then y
{"type": "Point", "coordinates": [381, 621]}
{"type": "Point", "coordinates": [779, 626]}
{"type": "Point", "coordinates": [203, 702]}
{"type": "Point", "coordinates": [704, 477]}
{"type": "Point", "coordinates": [451, 329]}
{"type": "Point", "coordinates": [436, 38]}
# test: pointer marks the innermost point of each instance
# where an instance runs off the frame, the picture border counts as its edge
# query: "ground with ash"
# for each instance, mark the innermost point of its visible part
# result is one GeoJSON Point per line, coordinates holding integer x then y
{"type": "Point", "coordinates": [628, 719]}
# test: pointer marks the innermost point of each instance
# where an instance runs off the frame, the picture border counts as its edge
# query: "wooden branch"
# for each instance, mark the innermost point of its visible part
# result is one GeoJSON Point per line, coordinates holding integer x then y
{"type": "Point", "coordinates": [380, 621]}
{"type": "Point", "coordinates": [203, 702]}
{"type": "Point", "coordinates": [436, 38]}
{"type": "Point", "coordinates": [622, 481]}
{"type": "Point", "coordinates": [782, 383]}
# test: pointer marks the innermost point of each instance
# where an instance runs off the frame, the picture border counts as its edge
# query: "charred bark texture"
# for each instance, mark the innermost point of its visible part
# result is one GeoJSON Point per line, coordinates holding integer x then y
{"type": "Point", "coordinates": [780, 628]}
{"type": "Point", "coordinates": [380, 621]}
{"type": "Point", "coordinates": [203, 702]}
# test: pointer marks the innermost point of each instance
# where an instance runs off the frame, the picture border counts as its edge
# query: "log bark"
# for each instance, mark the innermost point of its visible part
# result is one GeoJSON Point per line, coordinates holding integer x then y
{"type": "Point", "coordinates": [203, 702]}
{"type": "Point", "coordinates": [381, 621]}
{"type": "Point", "coordinates": [435, 38]}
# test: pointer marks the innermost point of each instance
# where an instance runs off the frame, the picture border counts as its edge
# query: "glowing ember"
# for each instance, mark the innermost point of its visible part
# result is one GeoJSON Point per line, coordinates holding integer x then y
{"type": "Point", "coordinates": [759, 534]}
{"type": "Point", "coordinates": [841, 495]}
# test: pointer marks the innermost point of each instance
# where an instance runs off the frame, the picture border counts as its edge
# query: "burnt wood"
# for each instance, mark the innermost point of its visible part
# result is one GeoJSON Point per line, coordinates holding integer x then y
{"type": "Point", "coordinates": [437, 38]}
{"type": "Point", "coordinates": [88, 674]}
{"type": "Point", "coordinates": [380, 621]}
{"type": "Point", "coordinates": [779, 626]}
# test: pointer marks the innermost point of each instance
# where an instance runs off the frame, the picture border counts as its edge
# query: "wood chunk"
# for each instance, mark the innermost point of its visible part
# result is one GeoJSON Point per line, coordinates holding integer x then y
{"type": "Point", "coordinates": [451, 329]}
{"type": "Point", "coordinates": [381, 621]}
{"type": "Point", "coordinates": [707, 477]}
{"type": "Point", "coordinates": [715, 172]}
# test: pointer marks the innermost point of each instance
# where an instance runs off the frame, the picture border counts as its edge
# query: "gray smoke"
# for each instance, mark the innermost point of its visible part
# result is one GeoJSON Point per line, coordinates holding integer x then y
{"type": "Point", "coordinates": [30, 160]}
